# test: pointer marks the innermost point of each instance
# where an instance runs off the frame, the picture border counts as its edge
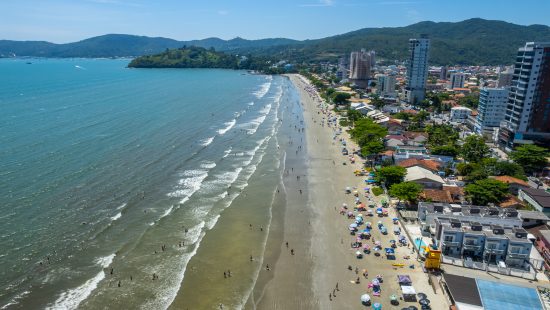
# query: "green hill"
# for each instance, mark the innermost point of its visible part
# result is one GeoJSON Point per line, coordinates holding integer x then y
{"type": "Point", "coordinates": [187, 57]}
{"type": "Point", "coordinates": [473, 41]}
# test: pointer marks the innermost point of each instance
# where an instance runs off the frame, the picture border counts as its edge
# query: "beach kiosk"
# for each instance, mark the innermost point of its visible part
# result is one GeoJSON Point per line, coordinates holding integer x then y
{"type": "Point", "coordinates": [433, 258]}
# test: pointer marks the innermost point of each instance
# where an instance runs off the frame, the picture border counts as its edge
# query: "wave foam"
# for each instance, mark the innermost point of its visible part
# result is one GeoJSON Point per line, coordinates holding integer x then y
{"type": "Point", "coordinates": [264, 88]}
{"type": "Point", "coordinates": [228, 126]}
{"type": "Point", "coordinates": [207, 141]}
{"type": "Point", "coordinates": [73, 297]}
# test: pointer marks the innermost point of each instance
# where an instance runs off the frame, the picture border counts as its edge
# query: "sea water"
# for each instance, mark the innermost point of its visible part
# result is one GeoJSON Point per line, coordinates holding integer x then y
{"type": "Point", "coordinates": [111, 178]}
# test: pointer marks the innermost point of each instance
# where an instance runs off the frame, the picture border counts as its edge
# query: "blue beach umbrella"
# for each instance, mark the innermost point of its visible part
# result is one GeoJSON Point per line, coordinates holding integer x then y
{"type": "Point", "coordinates": [377, 306]}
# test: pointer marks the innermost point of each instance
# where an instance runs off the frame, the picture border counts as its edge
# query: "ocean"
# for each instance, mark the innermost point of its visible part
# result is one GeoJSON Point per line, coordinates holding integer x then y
{"type": "Point", "coordinates": [136, 188]}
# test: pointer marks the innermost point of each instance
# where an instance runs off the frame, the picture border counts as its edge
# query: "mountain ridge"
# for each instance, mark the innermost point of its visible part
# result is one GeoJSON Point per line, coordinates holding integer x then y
{"type": "Point", "coordinates": [472, 41]}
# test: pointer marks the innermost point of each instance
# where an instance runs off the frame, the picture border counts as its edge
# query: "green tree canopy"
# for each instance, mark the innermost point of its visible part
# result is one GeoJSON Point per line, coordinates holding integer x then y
{"type": "Point", "coordinates": [391, 175]}
{"type": "Point", "coordinates": [486, 191]}
{"type": "Point", "coordinates": [340, 98]}
{"type": "Point", "coordinates": [407, 191]}
{"type": "Point", "coordinates": [446, 150]}
{"type": "Point", "coordinates": [369, 136]}
{"type": "Point", "coordinates": [441, 135]}
{"type": "Point", "coordinates": [474, 149]}
{"type": "Point", "coordinates": [531, 157]}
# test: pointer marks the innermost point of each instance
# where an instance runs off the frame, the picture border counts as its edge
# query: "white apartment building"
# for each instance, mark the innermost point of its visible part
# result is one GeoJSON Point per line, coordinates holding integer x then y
{"type": "Point", "coordinates": [491, 109]}
{"type": "Point", "coordinates": [460, 114]}
{"type": "Point", "coordinates": [386, 85]}
{"type": "Point", "coordinates": [417, 70]}
{"type": "Point", "coordinates": [456, 80]}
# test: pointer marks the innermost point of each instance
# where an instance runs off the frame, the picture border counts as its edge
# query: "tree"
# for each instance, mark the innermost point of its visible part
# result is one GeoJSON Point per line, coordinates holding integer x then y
{"type": "Point", "coordinates": [407, 191]}
{"type": "Point", "coordinates": [340, 98]}
{"type": "Point", "coordinates": [486, 191]}
{"type": "Point", "coordinates": [441, 135]}
{"type": "Point", "coordinates": [372, 147]}
{"type": "Point", "coordinates": [391, 175]}
{"type": "Point", "coordinates": [354, 115]}
{"type": "Point", "coordinates": [445, 150]}
{"type": "Point", "coordinates": [531, 157]}
{"type": "Point", "coordinates": [508, 168]}
{"type": "Point", "coordinates": [474, 149]}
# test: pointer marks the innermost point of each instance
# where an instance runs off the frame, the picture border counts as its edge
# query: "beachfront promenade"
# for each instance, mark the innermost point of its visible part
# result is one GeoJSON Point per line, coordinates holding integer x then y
{"type": "Point", "coordinates": [331, 241]}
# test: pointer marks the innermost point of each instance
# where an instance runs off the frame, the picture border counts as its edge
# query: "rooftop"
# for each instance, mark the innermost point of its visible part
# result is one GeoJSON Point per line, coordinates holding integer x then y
{"type": "Point", "coordinates": [418, 173]}
{"type": "Point", "coordinates": [424, 163]}
{"type": "Point", "coordinates": [539, 195]}
{"type": "Point", "coordinates": [533, 215]}
{"type": "Point", "coordinates": [468, 210]}
{"type": "Point", "coordinates": [510, 180]}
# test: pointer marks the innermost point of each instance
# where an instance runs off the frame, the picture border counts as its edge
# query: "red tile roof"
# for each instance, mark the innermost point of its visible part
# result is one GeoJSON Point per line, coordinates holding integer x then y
{"type": "Point", "coordinates": [424, 163]}
{"type": "Point", "coordinates": [511, 180]}
{"type": "Point", "coordinates": [511, 201]}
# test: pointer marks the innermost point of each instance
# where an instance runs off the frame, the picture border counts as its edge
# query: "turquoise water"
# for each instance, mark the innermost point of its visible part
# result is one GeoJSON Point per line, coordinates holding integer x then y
{"type": "Point", "coordinates": [100, 165]}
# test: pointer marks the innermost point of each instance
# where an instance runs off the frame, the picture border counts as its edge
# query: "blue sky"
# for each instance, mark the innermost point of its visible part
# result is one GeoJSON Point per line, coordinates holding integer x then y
{"type": "Point", "coordinates": [63, 21]}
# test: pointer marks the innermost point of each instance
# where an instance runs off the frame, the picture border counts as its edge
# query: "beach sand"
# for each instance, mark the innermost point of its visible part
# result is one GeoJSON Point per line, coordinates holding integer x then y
{"type": "Point", "coordinates": [319, 235]}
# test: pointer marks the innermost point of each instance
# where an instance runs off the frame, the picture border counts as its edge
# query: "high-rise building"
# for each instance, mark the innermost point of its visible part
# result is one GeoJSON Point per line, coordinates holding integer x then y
{"type": "Point", "coordinates": [456, 80]}
{"type": "Point", "coordinates": [360, 68]}
{"type": "Point", "coordinates": [372, 59]}
{"type": "Point", "coordinates": [491, 109]}
{"type": "Point", "coordinates": [417, 70]}
{"type": "Point", "coordinates": [386, 85]}
{"type": "Point", "coordinates": [528, 111]}
{"type": "Point", "coordinates": [443, 73]}
{"type": "Point", "coordinates": [505, 78]}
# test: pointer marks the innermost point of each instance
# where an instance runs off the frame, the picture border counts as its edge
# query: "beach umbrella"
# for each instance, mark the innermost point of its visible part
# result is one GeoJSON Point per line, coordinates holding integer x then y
{"type": "Point", "coordinates": [377, 306]}
{"type": "Point", "coordinates": [424, 302]}
{"type": "Point", "coordinates": [353, 225]}
{"type": "Point", "coordinates": [422, 296]}
{"type": "Point", "coordinates": [395, 219]}
{"type": "Point", "coordinates": [375, 282]}
{"type": "Point", "coordinates": [393, 297]}
{"type": "Point", "coordinates": [365, 298]}
{"type": "Point", "coordinates": [359, 215]}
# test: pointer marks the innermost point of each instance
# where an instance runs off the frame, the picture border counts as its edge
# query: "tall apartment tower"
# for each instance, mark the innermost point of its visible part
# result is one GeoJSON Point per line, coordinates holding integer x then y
{"type": "Point", "coordinates": [386, 85]}
{"type": "Point", "coordinates": [505, 78]}
{"type": "Point", "coordinates": [443, 73]}
{"type": "Point", "coordinates": [360, 68]}
{"type": "Point", "coordinates": [528, 111]}
{"type": "Point", "coordinates": [417, 70]}
{"type": "Point", "coordinates": [491, 109]}
{"type": "Point", "coordinates": [456, 80]}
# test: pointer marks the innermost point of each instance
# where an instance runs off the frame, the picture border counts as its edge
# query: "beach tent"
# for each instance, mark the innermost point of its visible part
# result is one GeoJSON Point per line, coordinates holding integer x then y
{"type": "Point", "coordinates": [409, 293]}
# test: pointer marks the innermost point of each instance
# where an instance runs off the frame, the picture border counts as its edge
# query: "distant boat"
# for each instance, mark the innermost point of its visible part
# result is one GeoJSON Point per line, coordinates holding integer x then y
{"type": "Point", "coordinates": [29, 63]}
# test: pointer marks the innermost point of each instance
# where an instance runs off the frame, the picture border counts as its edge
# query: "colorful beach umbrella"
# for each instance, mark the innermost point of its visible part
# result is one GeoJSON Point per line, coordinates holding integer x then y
{"type": "Point", "coordinates": [377, 306]}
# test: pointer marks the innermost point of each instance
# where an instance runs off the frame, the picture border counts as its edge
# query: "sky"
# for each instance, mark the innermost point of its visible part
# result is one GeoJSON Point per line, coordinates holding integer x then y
{"type": "Point", "coordinates": [62, 21]}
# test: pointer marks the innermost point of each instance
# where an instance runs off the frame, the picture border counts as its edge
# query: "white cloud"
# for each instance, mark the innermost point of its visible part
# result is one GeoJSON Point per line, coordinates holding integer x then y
{"type": "Point", "coordinates": [320, 3]}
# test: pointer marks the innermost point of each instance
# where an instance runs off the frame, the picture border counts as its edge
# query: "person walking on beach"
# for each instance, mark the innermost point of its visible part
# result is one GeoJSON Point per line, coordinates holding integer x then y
{"type": "Point", "coordinates": [267, 267]}
{"type": "Point", "coordinates": [287, 244]}
{"type": "Point", "coordinates": [224, 275]}
{"type": "Point", "coordinates": [229, 273]}
{"type": "Point", "coordinates": [337, 286]}
{"type": "Point", "coordinates": [291, 251]}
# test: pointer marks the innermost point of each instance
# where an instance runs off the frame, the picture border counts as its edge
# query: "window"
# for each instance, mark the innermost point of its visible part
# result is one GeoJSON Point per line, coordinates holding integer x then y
{"type": "Point", "coordinates": [449, 238]}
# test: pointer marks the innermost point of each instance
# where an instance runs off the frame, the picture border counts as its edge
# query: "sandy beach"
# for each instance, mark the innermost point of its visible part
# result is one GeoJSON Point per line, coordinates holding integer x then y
{"type": "Point", "coordinates": [319, 234]}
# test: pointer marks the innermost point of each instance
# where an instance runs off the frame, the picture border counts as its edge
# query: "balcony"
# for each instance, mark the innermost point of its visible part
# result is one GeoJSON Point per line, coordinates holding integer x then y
{"type": "Point", "coordinates": [471, 246]}
{"type": "Point", "coordinates": [517, 255]}
{"type": "Point", "coordinates": [451, 243]}
{"type": "Point", "coordinates": [494, 251]}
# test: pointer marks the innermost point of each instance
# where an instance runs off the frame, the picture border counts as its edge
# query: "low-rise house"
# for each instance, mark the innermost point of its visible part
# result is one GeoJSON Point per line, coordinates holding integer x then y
{"type": "Point", "coordinates": [429, 164]}
{"type": "Point", "coordinates": [543, 246]}
{"type": "Point", "coordinates": [473, 244]}
{"type": "Point", "coordinates": [532, 218]}
{"type": "Point", "coordinates": [537, 198]}
{"type": "Point", "coordinates": [416, 138]}
{"type": "Point", "coordinates": [514, 183]}
{"type": "Point", "coordinates": [424, 177]}
{"type": "Point", "coordinates": [392, 108]}
{"type": "Point", "coordinates": [392, 141]}
{"type": "Point", "coordinates": [408, 151]}
{"type": "Point", "coordinates": [449, 194]}
{"type": "Point", "coordinates": [519, 248]}
{"type": "Point", "coordinates": [460, 114]}
{"type": "Point", "coordinates": [395, 126]}
{"type": "Point", "coordinates": [496, 245]}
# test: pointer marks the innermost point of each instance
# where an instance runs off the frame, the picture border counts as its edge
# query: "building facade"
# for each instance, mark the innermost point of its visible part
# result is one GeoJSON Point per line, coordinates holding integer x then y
{"type": "Point", "coordinates": [456, 80]}
{"type": "Point", "coordinates": [417, 70]}
{"type": "Point", "coordinates": [505, 78]}
{"type": "Point", "coordinates": [527, 115]}
{"type": "Point", "coordinates": [386, 85]}
{"type": "Point", "coordinates": [360, 68]}
{"type": "Point", "coordinates": [491, 109]}
{"type": "Point", "coordinates": [460, 114]}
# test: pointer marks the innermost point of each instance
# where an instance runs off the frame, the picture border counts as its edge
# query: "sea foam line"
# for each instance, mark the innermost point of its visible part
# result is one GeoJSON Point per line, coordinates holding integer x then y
{"type": "Point", "coordinates": [207, 141]}
{"type": "Point", "coordinates": [264, 88]}
{"type": "Point", "coordinates": [72, 298]}
{"type": "Point", "coordinates": [228, 126]}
